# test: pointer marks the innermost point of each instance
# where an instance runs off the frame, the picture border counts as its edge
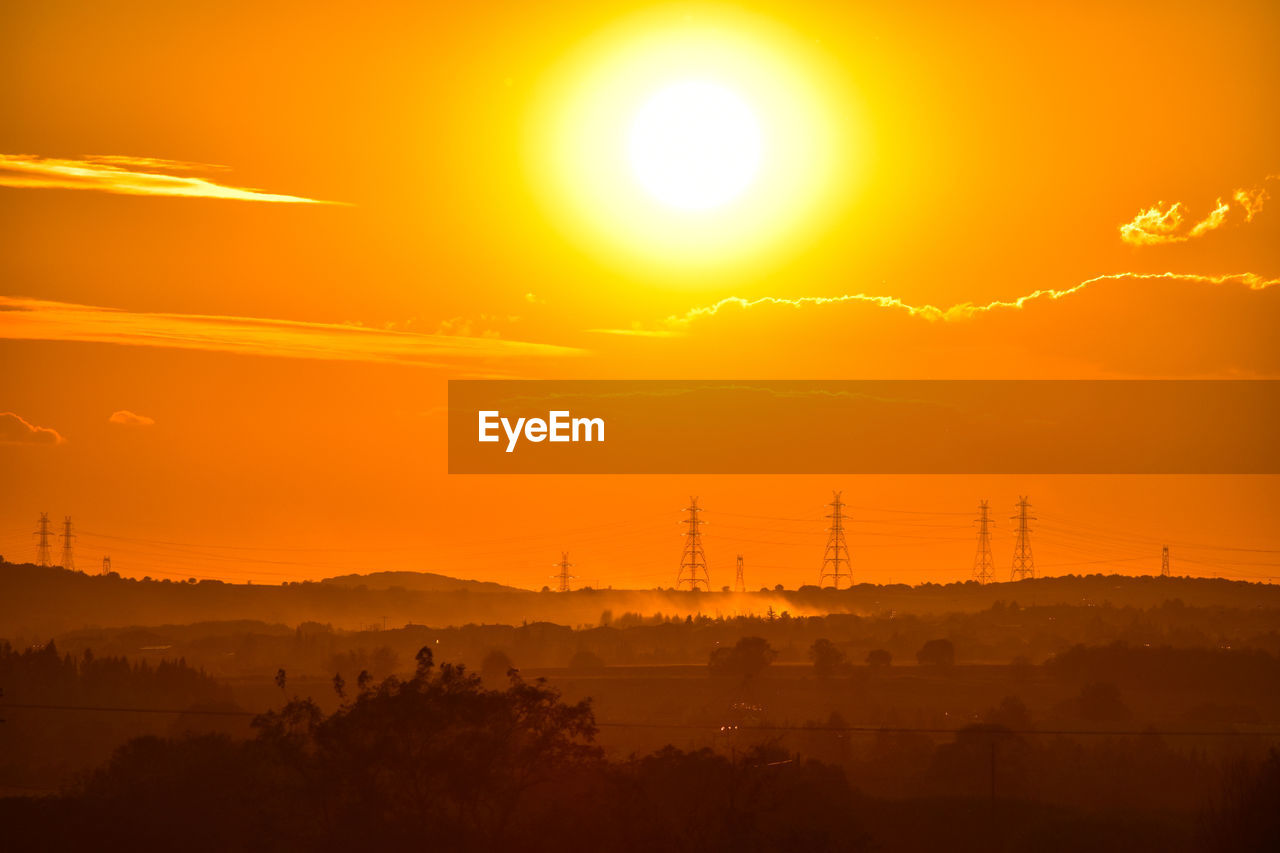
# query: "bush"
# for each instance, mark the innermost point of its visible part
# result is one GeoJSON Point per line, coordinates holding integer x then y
{"type": "Point", "coordinates": [937, 653]}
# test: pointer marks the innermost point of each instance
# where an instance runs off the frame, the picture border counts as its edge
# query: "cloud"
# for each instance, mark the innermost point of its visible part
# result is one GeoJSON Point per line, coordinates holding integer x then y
{"type": "Point", "coordinates": [128, 176]}
{"type": "Point", "coordinates": [124, 417]}
{"type": "Point", "coordinates": [1168, 324]}
{"type": "Point", "coordinates": [676, 324]}
{"type": "Point", "coordinates": [14, 429]}
{"type": "Point", "coordinates": [1169, 223]}
{"type": "Point", "coordinates": [38, 320]}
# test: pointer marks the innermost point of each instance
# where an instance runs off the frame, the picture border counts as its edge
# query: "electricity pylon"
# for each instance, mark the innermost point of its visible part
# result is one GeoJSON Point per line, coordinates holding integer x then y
{"type": "Point", "coordinates": [740, 585]}
{"type": "Point", "coordinates": [68, 556]}
{"type": "Point", "coordinates": [564, 577]}
{"type": "Point", "coordinates": [1024, 565]}
{"type": "Point", "coordinates": [836, 564]}
{"type": "Point", "coordinates": [106, 565]}
{"type": "Point", "coordinates": [693, 562]}
{"type": "Point", "coordinates": [983, 565]}
{"type": "Point", "coordinates": [1164, 562]}
{"type": "Point", "coordinates": [43, 552]}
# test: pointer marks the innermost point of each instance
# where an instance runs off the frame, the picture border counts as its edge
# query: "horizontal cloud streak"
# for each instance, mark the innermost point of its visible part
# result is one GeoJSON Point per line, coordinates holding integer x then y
{"type": "Point", "coordinates": [146, 176]}
{"type": "Point", "coordinates": [38, 320]}
{"type": "Point", "coordinates": [957, 312]}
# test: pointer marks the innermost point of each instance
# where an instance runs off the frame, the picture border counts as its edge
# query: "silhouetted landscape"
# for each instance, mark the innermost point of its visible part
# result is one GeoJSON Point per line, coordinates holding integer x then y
{"type": "Point", "coordinates": [1104, 711]}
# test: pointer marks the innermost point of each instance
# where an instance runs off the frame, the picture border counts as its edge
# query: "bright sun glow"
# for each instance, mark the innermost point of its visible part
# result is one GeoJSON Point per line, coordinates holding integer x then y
{"type": "Point", "coordinates": [695, 145]}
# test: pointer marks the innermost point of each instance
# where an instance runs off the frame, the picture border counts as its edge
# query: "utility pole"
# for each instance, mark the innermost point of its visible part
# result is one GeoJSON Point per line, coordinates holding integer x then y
{"type": "Point", "coordinates": [983, 565]}
{"type": "Point", "coordinates": [740, 585]}
{"type": "Point", "coordinates": [693, 562]}
{"type": "Point", "coordinates": [106, 565]}
{"type": "Point", "coordinates": [1164, 562]}
{"type": "Point", "coordinates": [68, 556]}
{"type": "Point", "coordinates": [564, 577]}
{"type": "Point", "coordinates": [836, 564]}
{"type": "Point", "coordinates": [43, 554]}
{"type": "Point", "coordinates": [1024, 565]}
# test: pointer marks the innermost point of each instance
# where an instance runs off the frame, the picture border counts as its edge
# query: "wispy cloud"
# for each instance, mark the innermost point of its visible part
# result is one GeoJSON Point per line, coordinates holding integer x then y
{"type": "Point", "coordinates": [961, 311]}
{"type": "Point", "coordinates": [15, 429]}
{"type": "Point", "coordinates": [124, 417]}
{"type": "Point", "coordinates": [1170, 223]}
{"type": "Point", "coordinates": [128, 176]}
{"type": "Point", "coordinates": [33, 319]}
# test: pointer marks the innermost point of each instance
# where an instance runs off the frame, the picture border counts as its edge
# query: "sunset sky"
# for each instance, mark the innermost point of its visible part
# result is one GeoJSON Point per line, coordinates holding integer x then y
{"type": "Point", "coordinates": [243, 248]}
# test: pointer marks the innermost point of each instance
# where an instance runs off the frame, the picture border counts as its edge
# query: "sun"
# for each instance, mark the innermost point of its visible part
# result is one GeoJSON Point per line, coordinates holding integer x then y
{"type": "Point", "coordinates": [686, 147]}
{"type": "Point", "coordinates": [695, 145]}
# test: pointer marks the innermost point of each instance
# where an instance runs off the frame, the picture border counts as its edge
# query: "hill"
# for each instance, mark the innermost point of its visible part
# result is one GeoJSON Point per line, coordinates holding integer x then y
{"type": "Point", "coordinates": [40, 602]}
{"type": "Point", "coordinates": [417, 581]}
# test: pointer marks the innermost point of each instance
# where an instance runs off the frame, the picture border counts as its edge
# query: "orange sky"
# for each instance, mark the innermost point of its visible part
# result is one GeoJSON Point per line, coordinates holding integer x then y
{"type": "Point", "coordinates": [1001, 150]}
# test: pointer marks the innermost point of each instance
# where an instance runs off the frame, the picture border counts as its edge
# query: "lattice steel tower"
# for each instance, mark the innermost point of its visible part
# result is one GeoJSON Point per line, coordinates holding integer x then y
{"type": "Point", "coordinates": [693, 563]}
{"type": "Point", "coordinates": [106, 565]}
{"type": "Point", "coordinates": [564, 577]}
{"type": "Point", "coordinates": [68, 556]}
{"type": "Point", "coordinates": [1164, 562]}
{"type": "Point", "coordinates": [1024, 565]}
{"type": "Point", "coordinates": [740, 585]}
{"type": "Point", "coordinates": [984, 566]}
{"type": "Point", "coordinates": [836, 564]}
{"type": "Point", "coordinates": [43, 550]}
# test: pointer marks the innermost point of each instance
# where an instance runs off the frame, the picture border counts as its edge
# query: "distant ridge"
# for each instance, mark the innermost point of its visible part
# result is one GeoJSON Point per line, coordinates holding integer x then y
{"type": "Point", "coordinates": [418, 582]}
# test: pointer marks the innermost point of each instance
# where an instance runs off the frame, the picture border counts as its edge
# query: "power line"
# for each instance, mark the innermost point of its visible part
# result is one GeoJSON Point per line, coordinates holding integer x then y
{"type": "Point", "coordinates": [216, 712]}
{"type": "Point", "coordinates": [983, 566]}
{"type": "Point", "coordinates": [68, 555]}
{"type": "Point", "coordinates": [836, 564]}
{"type": "Point", "coordinates": [563, 576]}
{"type": "Point", "coordinates": [43, 552]}
{"type": "Point", "coordinates": [1024, 565]}
{"type": "Point", "coordinates": [693, 562]}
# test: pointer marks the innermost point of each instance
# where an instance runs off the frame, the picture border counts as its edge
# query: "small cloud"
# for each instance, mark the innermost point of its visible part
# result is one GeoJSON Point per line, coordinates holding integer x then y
{"type": "Point", "coordinates": [473, 327]}
{"type": "Point", "coordinates": [534, 299]}
{"type": "Point", "coordinates": [1169, 223]}
{"type": "Point", "coordinates": [124, 417]}
{"type": "Point", "coordinates": [14, 429]}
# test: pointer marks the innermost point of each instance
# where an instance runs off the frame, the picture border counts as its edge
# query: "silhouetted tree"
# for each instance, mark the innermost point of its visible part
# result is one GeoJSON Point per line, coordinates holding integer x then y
{"type": "Point", "coordinates": [496, 665]}
{"type": "Point", "coordinates": [879, 657]}
{"type": "Point", "coordinates": [1012, 713]}
{"type": "Point", "coordinates": [745, 659]}
{"type": "Point", "coordinates": [585, 661]}
{"type": "Point", "coordinates": [1101, 702]}
{"type": "Point", "coordinates": [1244, 813]}
{"type": "Point", "coordinates": [826, 656]}
{"type": "Point", "coordinates": [937, 653]}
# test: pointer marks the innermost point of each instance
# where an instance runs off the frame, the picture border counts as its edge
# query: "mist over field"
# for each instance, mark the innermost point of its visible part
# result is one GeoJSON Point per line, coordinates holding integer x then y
{"type": "Point", "coordinates": [1110, 707]}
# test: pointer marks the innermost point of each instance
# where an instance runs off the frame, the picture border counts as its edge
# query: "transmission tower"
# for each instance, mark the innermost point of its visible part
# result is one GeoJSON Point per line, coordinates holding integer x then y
{"type": "Point", "coordinates": [1024, 565]}
{"type": "Point", "coordinates": [68, 556]}
{"type": "Point", "coordinates": [564, 576]}
{"type": "Point", "coordinates": [106, 565]}
{"type": "Point", "coordinates": [740, 585]}
{"type": "Point", "coordinates": [836, 564]}
{"type": "Point", "coordinates": [1164, 562]}
{"type": "Point", "coordinates": [983, 565]}
{"type": "Point", "coordinates": [43, 552]}
{"type": "Point", "coordinates": [693, 563]}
